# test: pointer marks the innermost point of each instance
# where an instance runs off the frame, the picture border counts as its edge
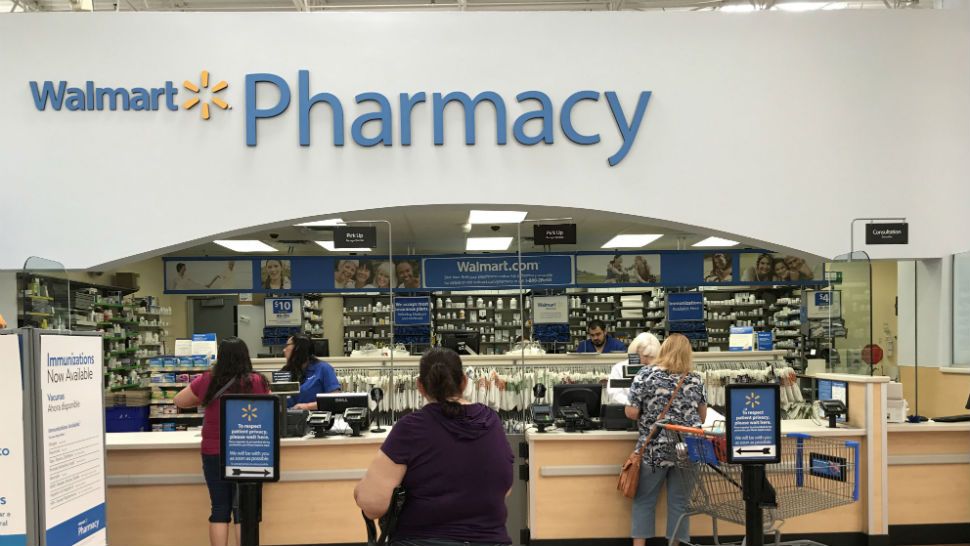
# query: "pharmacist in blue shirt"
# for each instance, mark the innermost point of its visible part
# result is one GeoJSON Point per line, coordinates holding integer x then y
{"type": "Point", "coordinates": [599, 341]}
{"type": "Point", "coordinates": [314, 376]}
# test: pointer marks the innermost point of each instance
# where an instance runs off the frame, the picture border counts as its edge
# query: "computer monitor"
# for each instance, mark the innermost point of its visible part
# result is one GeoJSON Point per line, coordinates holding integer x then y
{"type": "Point", "coordinates": [463, 342]}
{"type": "Point", "coordinates": [829, 389]}
{"type": "Point", "coordinates": [566, 395]}
{"type": "Point", "coordinates": [321, 347]}
{"type": "Point", "coordinates": [337, 402]}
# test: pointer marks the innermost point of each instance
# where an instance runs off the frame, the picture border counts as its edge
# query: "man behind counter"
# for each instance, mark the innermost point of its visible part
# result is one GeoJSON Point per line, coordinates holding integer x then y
{"type": "Point", "coordinates": [599, 341]}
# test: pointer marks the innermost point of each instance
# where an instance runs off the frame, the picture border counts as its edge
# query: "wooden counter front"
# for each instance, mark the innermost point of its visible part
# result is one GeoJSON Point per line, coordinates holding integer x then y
{"type": "Point", "coordinates": [157, 495]}
{"type": "Point", "coordinates": [572, 489]}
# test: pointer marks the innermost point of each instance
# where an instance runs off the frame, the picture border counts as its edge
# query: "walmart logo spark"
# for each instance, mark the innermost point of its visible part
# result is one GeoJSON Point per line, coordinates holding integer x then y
{"type": "Point", "coordinates": [194, 101]}
{"type": "Point", "coordinates": [250, 412]}
{"type": "Point", "coordinates": [752, 400]}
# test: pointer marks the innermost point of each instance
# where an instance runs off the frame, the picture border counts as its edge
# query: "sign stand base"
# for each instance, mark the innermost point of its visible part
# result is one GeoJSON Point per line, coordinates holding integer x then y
{"type": "Point", "coordinates": [249, 509]}
{"type": "Point", "coordinates": [758, 494]}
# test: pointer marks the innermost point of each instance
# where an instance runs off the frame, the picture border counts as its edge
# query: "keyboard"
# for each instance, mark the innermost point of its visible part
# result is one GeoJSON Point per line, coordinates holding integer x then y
{"type": "Point", "coordinates": [953, 418]}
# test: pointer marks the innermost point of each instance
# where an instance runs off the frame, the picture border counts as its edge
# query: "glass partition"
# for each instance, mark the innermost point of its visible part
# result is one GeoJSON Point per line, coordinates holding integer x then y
{"type": "Point", "coordinates": [44, 295]}
{"type": "Point", "coordinates": [840, 317]}
{"type": "Point", "coordinates": [961, 309]}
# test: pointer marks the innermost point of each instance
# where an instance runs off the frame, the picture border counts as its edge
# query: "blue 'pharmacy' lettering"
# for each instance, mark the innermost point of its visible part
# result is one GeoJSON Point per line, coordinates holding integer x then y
{"type": "Point", "coordinates": [628, 128]}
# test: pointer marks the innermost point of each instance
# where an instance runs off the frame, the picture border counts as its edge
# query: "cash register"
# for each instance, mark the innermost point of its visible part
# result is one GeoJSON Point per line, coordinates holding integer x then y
{"type": "Point", "coordinates": [294, 421]}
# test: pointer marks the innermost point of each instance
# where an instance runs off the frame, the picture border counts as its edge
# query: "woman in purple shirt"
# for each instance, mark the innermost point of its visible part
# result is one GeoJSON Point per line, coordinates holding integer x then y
{"type": "Point", "coordinates": [453, 459]}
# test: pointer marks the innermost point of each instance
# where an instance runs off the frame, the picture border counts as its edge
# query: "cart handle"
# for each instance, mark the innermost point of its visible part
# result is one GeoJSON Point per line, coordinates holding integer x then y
{"type": "Point", "coordinates": [684, 430]}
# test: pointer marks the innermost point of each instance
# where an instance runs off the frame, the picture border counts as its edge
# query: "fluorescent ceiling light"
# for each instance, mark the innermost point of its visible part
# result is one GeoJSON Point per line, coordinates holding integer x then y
{"type": "Point", "coordinates": [328, 222]}
{"type": "Point", "coordinates": [716, 241]}
{"type": "Point", "coordinates": [329, 246]}
{"type": "Point", "coordinates": [488, 243]}
{"type": "Point", "coordinates": [632, 240]}
{"type": "Point", "coordinates": [799, 7]}
{"type": "Point", "coordinates": [496, 216]}
{"type": "Point", "coordinates": [737, 8]}
{"type": "Point", "coordinates": [246, 245]}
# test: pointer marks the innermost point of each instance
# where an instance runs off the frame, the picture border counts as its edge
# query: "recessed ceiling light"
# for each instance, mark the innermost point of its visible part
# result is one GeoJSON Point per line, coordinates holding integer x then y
{"type": "Point", "coordinates": [329, 246]}
{"type": "Point", "coordinates": [488, 243]}
{"type": "Point", "coordinates": [328, 222]}
{"type": "Point", "coordinates": [715, 241]}
{"type": "Point", "coordinates": [246, 245]}
{"type": "Point", "coordinates": [496, 216]}
{"type": "Point", "coordinates": [632, 240]}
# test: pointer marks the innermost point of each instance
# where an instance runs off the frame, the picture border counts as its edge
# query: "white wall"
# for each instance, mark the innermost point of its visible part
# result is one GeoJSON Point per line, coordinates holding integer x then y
{"type": "Point", "coordinates": [809, 119]}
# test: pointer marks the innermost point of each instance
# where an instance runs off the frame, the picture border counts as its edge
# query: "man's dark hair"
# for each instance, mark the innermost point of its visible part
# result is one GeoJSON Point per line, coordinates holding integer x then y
{"type": "Point", "coordinates": [596, 323]}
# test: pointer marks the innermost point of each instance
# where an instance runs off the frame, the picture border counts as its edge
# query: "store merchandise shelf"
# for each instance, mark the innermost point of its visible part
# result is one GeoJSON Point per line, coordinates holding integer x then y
{"type": "Point", "coordinates": [41, 298]}
{"type": "Point", "coordinates": [36, 314]}
{"type": "Point", "coordinates": [126, 369]}
{"type": "Point", "coordinates": [364, 325]}
{"type": "Point", "coordinates": [109, 305]}
{"type": "Point", "coordinates": [167, 385]}
{"type": "Point", "coordinates": [126, 387]}
{"type": "Point", "coordinates": [163, 402]}
{"type": "Point", "coordinates": [359, 313]}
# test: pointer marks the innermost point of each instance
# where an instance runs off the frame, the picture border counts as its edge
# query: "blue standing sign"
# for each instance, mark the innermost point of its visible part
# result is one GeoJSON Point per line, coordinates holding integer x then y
{"type": "Point", "coordinates": [685, 306]}
{"type": "Point", "coordinates": [753, 423]}
{"type": "Point", "coordinates": [250, 437]}
{"type": "Point", "coordinates": [412, 311]}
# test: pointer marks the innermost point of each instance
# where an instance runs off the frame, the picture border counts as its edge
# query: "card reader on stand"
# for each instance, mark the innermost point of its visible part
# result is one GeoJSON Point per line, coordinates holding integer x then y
{"type": "Point", "coordinates": [320, 422]}
{"type": "Point", "coordinates": [357, 418]}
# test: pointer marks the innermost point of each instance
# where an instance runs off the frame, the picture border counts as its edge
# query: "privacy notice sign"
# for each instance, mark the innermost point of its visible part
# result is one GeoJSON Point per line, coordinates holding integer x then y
{"type": "Point", "coordinates": [72, 432]}
{"type": "Point", "coordinates": [13, 497]}
{"type": "Point", "coordinates": [250, 438]}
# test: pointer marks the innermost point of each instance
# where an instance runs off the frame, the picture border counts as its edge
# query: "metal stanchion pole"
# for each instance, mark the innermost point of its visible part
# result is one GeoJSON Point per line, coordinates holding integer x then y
{"type": "Point", "coordinates": [249, 509]}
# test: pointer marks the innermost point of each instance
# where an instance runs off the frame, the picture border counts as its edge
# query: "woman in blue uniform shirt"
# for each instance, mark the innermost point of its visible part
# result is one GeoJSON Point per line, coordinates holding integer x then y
{"type": "Point", "coordinates": [314, 376]}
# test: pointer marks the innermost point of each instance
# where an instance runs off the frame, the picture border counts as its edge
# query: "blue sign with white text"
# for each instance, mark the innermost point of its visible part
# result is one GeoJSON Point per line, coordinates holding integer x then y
{"type": "Point", "coordinates": [410, 311]}
{"type": "Point", "coordinates": [250, 438]}
{"type": "Point", "coordinates": [685, 306]}
{"type": "Point", "coordinates": [498, 271]}
{"type": "Point", "coordinates": [753, 423]}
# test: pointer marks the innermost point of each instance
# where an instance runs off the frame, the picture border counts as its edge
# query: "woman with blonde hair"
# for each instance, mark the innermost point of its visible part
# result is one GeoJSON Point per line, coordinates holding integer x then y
{"type": "Point", "coordinates": [668, 384]}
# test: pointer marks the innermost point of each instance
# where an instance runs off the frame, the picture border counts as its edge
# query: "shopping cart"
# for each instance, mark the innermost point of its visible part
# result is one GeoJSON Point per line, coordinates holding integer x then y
{"type": "Point", "coordinates": [814, 474]}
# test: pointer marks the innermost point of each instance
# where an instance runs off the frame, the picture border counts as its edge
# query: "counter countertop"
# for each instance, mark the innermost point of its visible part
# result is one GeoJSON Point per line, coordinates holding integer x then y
{"type": "Point", "coordinates": [930, 426]}
{"type": "Point", "coordinates": [805, 426]}
{"type": "Point", "coordinates": [192, 439]}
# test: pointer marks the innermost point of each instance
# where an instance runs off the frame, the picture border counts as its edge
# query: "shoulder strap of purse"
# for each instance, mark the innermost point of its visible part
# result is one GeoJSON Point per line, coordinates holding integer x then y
{"type": "Point", "coordinates": [653, 430]}
{"type": "Point", "coordinates": [224, 388]}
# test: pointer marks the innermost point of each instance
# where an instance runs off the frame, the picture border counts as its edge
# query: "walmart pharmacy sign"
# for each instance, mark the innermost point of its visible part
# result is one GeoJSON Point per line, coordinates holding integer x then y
{"type": "Point", "coordinates": [278, 96]}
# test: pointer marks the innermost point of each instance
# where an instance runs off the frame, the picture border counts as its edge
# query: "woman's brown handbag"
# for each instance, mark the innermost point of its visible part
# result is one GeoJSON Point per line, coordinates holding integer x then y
{"type": "Point", "coordinates": [630, 472]}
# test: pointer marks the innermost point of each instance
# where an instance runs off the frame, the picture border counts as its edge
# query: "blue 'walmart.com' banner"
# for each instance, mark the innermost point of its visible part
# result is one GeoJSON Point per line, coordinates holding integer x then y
{"type": "Point", "coordinates": [498, 271]}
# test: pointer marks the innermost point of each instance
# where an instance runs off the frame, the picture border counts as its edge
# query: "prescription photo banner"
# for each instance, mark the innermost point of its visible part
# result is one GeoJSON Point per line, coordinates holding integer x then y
{"type": "Point", "coordinates": [498, 271]}
{"type": "Point", "coordinates": [13, 493]}
{"type": "Point", "coordinates": [72, 437]}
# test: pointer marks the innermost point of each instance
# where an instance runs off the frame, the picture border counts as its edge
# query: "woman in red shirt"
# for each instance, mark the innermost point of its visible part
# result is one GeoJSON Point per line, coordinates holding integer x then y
{"type": "Point", "coordinates": [232, 373]}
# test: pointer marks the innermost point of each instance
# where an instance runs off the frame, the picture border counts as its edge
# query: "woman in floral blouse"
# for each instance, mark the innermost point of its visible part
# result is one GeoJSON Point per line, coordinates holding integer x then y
{"type": "Point", "coordinates": [651, 389]}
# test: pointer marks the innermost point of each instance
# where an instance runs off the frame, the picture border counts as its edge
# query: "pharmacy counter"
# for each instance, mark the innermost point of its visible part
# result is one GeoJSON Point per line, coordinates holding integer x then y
{"type": "Point", "coordinates": [928, 472]}
{"type": "Point", "coordinates": [572, 488]}
{"type": "Point", "coordinates": [157, 495]}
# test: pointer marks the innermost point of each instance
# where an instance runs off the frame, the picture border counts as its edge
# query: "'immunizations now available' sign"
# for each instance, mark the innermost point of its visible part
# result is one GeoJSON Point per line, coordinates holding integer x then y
{"type": "Point", "coordinates": [72, 432]}
{"type": "Point", "coordinates": [13, 492]}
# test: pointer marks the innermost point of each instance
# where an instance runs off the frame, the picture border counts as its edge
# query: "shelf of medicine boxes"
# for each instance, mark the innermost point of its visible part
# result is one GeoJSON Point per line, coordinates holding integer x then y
{"type": "Point", "coordinates": [370, 313]}
{"type": "Point", "coordinates": [482, 314]}
{"type": "Point", "coordinates": [312, 316]}
{"type": "Point", "coordinates": [610, 310]}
